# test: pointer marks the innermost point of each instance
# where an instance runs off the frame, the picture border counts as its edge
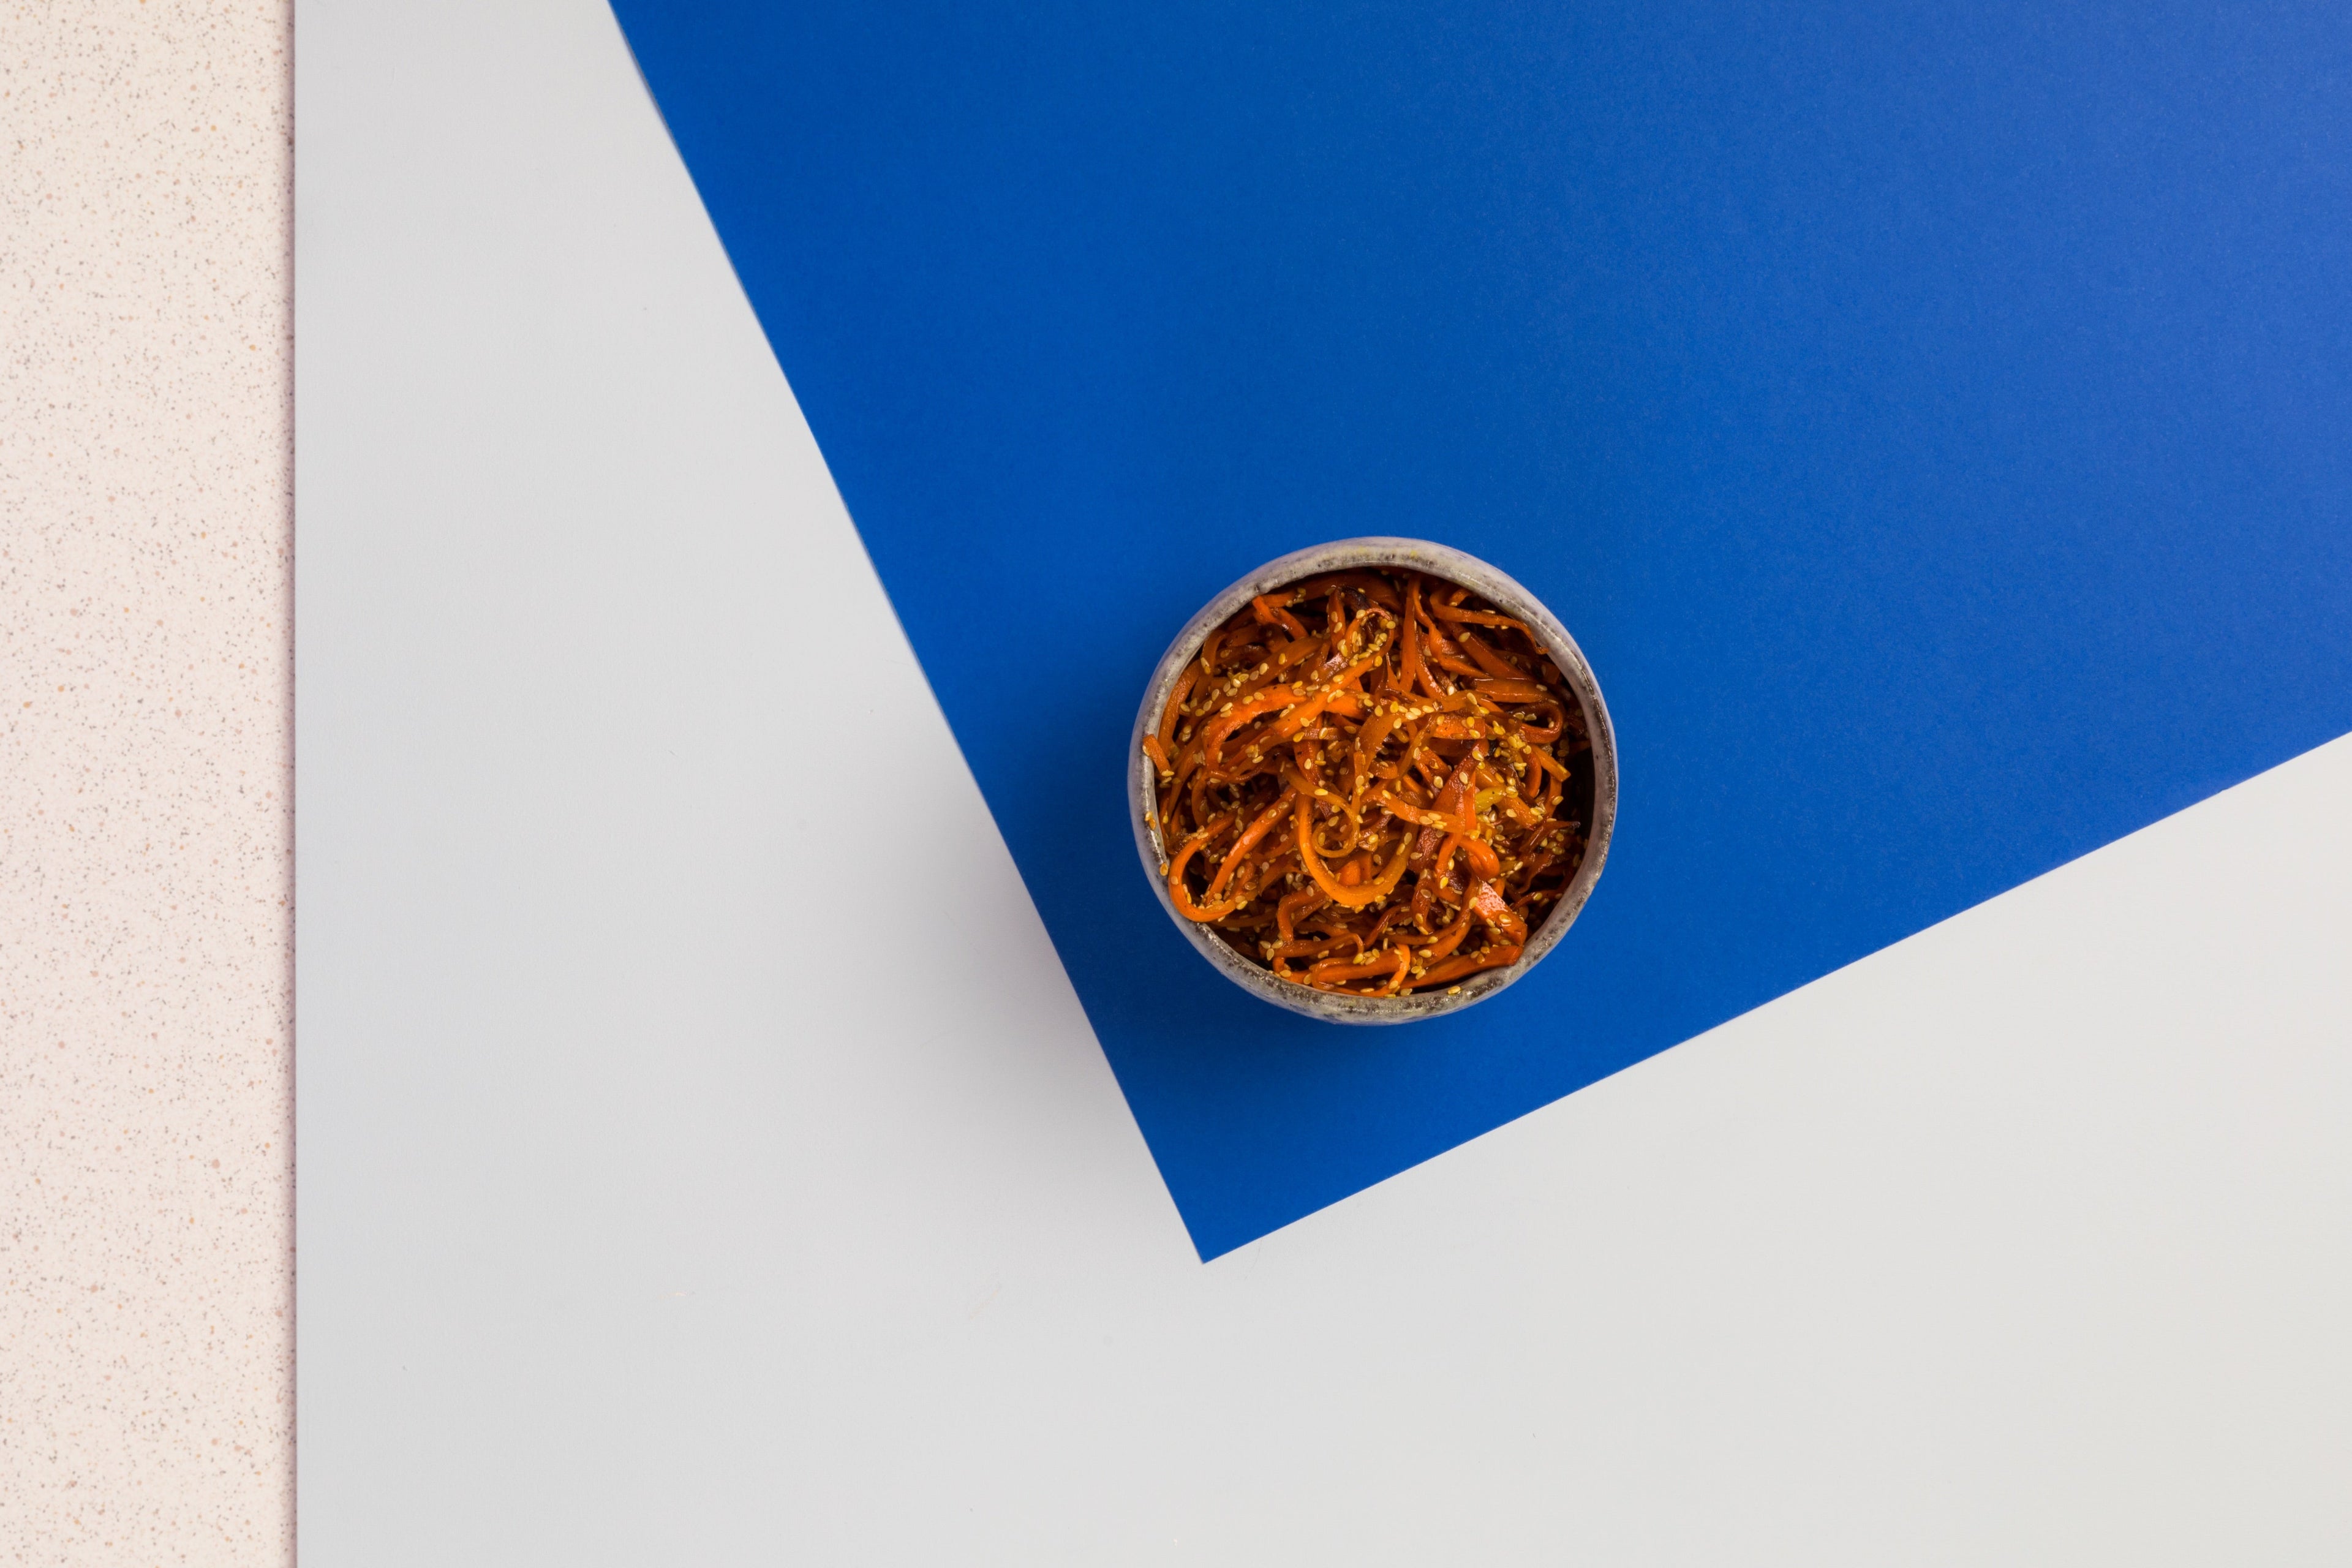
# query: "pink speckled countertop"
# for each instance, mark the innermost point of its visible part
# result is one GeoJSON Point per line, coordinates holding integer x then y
{"type": "Point", "coordinates": [146, 1341]}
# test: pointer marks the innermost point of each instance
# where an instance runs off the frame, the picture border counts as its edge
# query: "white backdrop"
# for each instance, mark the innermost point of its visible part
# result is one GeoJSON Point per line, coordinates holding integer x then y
{"type": "Point", "coordinates": [648, 1211]}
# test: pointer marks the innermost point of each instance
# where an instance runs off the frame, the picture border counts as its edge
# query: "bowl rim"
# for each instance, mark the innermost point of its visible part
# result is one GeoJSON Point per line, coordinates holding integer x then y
{"type": "Point", "coordinates": [1497, 588]}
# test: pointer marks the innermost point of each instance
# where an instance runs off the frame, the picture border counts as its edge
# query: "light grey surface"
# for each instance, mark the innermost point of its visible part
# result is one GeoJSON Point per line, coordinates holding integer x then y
{"type": "Point", "coordinates": [649, 1213]}
{"type": "Point", "coordinates": [1497, 588]}
{"type": "Point", "coordinates": [603, 724]}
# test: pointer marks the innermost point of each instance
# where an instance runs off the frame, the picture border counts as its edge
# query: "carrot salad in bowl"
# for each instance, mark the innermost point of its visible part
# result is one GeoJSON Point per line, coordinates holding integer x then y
{"type": "Point", "coordinates": [1370, 783]}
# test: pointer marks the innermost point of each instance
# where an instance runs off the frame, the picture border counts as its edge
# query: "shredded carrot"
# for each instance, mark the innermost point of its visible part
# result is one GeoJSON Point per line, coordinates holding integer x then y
{"type": "Point", "coordinates": [1346, 763]}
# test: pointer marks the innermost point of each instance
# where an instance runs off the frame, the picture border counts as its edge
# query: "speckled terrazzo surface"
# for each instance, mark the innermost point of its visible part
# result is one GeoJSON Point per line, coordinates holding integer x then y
{"type": "Point", "coordinates": [146, 999]}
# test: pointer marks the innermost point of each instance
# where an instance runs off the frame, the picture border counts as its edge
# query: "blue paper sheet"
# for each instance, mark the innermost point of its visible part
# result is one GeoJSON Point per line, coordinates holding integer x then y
{"type": "Point", "coordinates": [1933, 423]}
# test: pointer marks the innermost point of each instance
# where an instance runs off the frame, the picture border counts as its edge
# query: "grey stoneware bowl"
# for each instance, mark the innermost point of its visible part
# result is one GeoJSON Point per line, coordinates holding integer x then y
{"type": "Point", "coordinates": [1488, 584]}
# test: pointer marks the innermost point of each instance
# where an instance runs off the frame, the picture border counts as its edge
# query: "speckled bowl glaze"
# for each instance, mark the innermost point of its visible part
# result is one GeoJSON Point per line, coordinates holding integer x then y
{"type": "Point", "coordinates": [1488, 584]}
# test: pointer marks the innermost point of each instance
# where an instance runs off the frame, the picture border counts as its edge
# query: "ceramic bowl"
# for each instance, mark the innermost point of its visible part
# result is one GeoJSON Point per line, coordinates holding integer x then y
{"type": "Point", "coordinates": [1469, 571]}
